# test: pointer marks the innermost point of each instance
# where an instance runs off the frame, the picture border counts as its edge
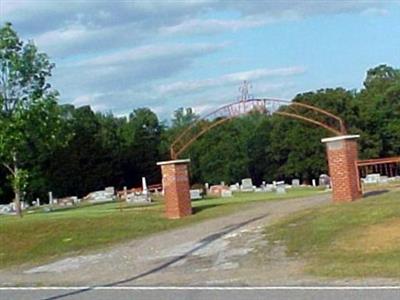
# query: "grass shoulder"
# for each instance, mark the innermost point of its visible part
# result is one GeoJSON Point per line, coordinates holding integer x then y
{"type": "Point", "coordinates": [358, 239]}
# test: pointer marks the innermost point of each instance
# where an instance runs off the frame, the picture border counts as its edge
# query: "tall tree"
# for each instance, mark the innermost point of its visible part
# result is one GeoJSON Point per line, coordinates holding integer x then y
{"type": "Point", "coordinates": [28, 109]}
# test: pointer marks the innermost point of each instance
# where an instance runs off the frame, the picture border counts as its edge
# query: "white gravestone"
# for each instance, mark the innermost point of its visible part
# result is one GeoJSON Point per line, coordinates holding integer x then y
{"type": "Point", "coordinates": [144, 185]}
{"type": "Point", "coordinates": [295, 182]}
{"type": "Point", "coordinates": [233, 188]}
{"type": "Point", "coordinates": [247, 185]}
{"type": "Point", "coordinates": [51, 198]}
{"type": "Point", "coordinates": [195, 194]}
{"type": "Point", "coordinates": [226, 193]}
{"type": "Point", "coordinates": [280, 187]}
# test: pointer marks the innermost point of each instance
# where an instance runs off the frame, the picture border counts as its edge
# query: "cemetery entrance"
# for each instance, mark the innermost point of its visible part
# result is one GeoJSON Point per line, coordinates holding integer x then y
{"type": "Point", "coordinates": [342, 153]}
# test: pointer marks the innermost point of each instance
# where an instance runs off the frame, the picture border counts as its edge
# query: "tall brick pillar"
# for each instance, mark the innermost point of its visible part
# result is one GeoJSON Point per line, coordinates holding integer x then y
{"type": "Point", "coordinates": [342, 153]}
{"type": "Point", "coordinates": [175, 179]}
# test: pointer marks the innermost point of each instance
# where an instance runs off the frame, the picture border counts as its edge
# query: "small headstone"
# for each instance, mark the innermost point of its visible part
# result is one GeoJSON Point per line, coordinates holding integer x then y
{"type": "Point", "coordinates": [50, 198]}
{"type": "Point", "coordinates": [314, 183]}
{"type": "Point", "coordinates": [372, 178]}
{"type": "Point", "coordinates": [138, 198]}
{"type": "Point", "coordinates": [37, 202]}
{"type": "Point", "coordinates": [263, 186]}
{"type": "Point", "coordinates": [207, 186]}
{"type": "Point", "coordinates": [222, 183]}
{"type": "Point", "coordinates": [295, 182]}
{"type": "Point", "coordinates": [110, 190]}
{"type": "Point", "coordinates": [216, 190]}
{"type": "Point", "coordinates": [384, 179]}
{"type": "Point", "coordinates": [100, 196]}
{"type": "Point", "coordinates": [324, 180]}
{"type": "Point", "coordinates": [280, 187]}
{"type": "Point", "coordinates": [233, 188]}
{"type": "Point", "coordinates": [226, 193]}
{"type": "Point", "coordinates": [67, 201]}
{"type": "Point", "coordinates": [195, 194]}
{"type": "Point", "coordinates": [269, 187]}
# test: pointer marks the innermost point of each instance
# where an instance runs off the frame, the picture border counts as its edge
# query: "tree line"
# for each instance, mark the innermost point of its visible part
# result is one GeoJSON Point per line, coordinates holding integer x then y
{"type": "Point", "coordinates": [45, 146]}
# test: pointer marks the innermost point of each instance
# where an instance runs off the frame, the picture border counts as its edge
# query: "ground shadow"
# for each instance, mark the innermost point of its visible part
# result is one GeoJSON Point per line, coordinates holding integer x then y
{"type": "Point", "coordinates": [199, 245]}
{"type": "Point", "coordinates": [375, 193]}
{"type": "Point", "coordinates": [196, 210]}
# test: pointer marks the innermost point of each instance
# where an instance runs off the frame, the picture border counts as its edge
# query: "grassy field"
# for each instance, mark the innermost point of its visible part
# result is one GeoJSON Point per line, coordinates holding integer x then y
{"type": "Point", "coordinates": [41, 236]}
{"type": "Point", "coordinates": [359, 239]}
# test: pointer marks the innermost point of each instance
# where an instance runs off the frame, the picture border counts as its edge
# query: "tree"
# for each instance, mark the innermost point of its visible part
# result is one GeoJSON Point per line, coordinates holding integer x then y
{"type": "Point", "coordinates": [141, 138]}
{"type": "Point", "coordinates": [183, 117]}
{"type": "Point", "coordinates": [28, 108]}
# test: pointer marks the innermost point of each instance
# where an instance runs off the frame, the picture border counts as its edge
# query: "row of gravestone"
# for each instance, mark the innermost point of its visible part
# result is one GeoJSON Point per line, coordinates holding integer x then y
{"type": "Point", "coordinates": [246, 185]}
{"type": "Point", "coordinates": [108, 194]}
{"type": "Point", "coordinates": [378, 178]}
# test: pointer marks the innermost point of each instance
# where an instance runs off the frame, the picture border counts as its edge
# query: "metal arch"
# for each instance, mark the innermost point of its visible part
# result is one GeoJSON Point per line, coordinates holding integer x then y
{"type": "Point", "coordinates": [264, 105]}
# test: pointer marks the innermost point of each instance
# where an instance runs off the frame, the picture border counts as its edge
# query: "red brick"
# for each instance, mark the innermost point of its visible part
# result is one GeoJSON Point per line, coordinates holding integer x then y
{"type": "Point", "coordinates": [176, 188]}
{"type": "Point", "coordinates": [342, 156]}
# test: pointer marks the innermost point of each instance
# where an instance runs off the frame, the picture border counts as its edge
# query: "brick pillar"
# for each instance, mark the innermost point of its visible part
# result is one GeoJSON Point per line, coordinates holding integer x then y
{"type": "Point", "coordinates": [175, 179]}
{"type": "Point", "coordinates": [342, 153]}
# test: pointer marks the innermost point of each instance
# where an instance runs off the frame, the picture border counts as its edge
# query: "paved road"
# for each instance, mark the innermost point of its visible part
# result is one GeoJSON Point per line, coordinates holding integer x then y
{"type": "Point", "coordinates": [198, 293]}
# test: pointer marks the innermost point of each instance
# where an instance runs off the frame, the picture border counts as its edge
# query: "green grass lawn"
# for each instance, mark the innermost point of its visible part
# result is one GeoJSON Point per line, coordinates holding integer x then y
{"type": "Point", "coordinates": [358, 239]}
{"type": "Point", "coordinates": [40, 236]}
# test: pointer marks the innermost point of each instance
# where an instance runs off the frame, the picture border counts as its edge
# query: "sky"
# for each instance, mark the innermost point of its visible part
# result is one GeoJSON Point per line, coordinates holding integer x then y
{"type": "Point", "coordinates": [121, 55]}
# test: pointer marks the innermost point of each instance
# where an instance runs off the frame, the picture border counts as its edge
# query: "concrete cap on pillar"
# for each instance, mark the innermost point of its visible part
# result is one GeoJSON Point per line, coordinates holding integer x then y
{"type": "Point", "coordinates": [177, 161]}
{"type": "Point", "coordinates": [340, 138]}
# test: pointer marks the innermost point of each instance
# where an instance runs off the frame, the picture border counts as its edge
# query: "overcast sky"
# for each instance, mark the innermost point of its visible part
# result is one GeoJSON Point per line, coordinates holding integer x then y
{"type": "Point", "coordinates": [121, 55]}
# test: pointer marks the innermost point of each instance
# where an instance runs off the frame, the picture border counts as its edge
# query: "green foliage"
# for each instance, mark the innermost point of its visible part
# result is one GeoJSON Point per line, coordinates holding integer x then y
{"type": "Point", "coordinates": [28, 110]}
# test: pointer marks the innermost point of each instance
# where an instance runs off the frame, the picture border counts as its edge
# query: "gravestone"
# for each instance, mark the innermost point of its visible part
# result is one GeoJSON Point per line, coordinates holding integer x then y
{"type": "Point", "coordinates": [233, 188]}
{"type": "Point", "coordinates": [269, 187]}
{"type": "Point", "coordinates": [247, 185]}
{"type": "Point", "coordinates": [296, 182]}
{"type": "Point", "coordinates": [67, 201]}
{"type": "Point", "coordinates": [195, 194]}
{"type": "Point", "coordinates": [144, 184]}
{"type": "Point", "coordinates": [216, 190]}
{"type": "Point", "coordinates": [372, 178]}
{"type": "Point", "coordinates": [6, 210]}
{"type": "Point", "coordinates": [226, 193]}
{"type": "Point", "coordinates": [51, 200]}
{"type": "Point", "coordinates": [280, 187]}
{"type": "Point", "coordinates": [324, 180]}
{"type": "Point", "coordinates": [263, 186]}
{"type": "Point", "coordinates": [110, 190]}
{"type": "Point", "coordinates": [384, 179]}
{"type": "Point", "coordinates": [314, 183]}
{"type": "Point", "coordinates": [138, 198]}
